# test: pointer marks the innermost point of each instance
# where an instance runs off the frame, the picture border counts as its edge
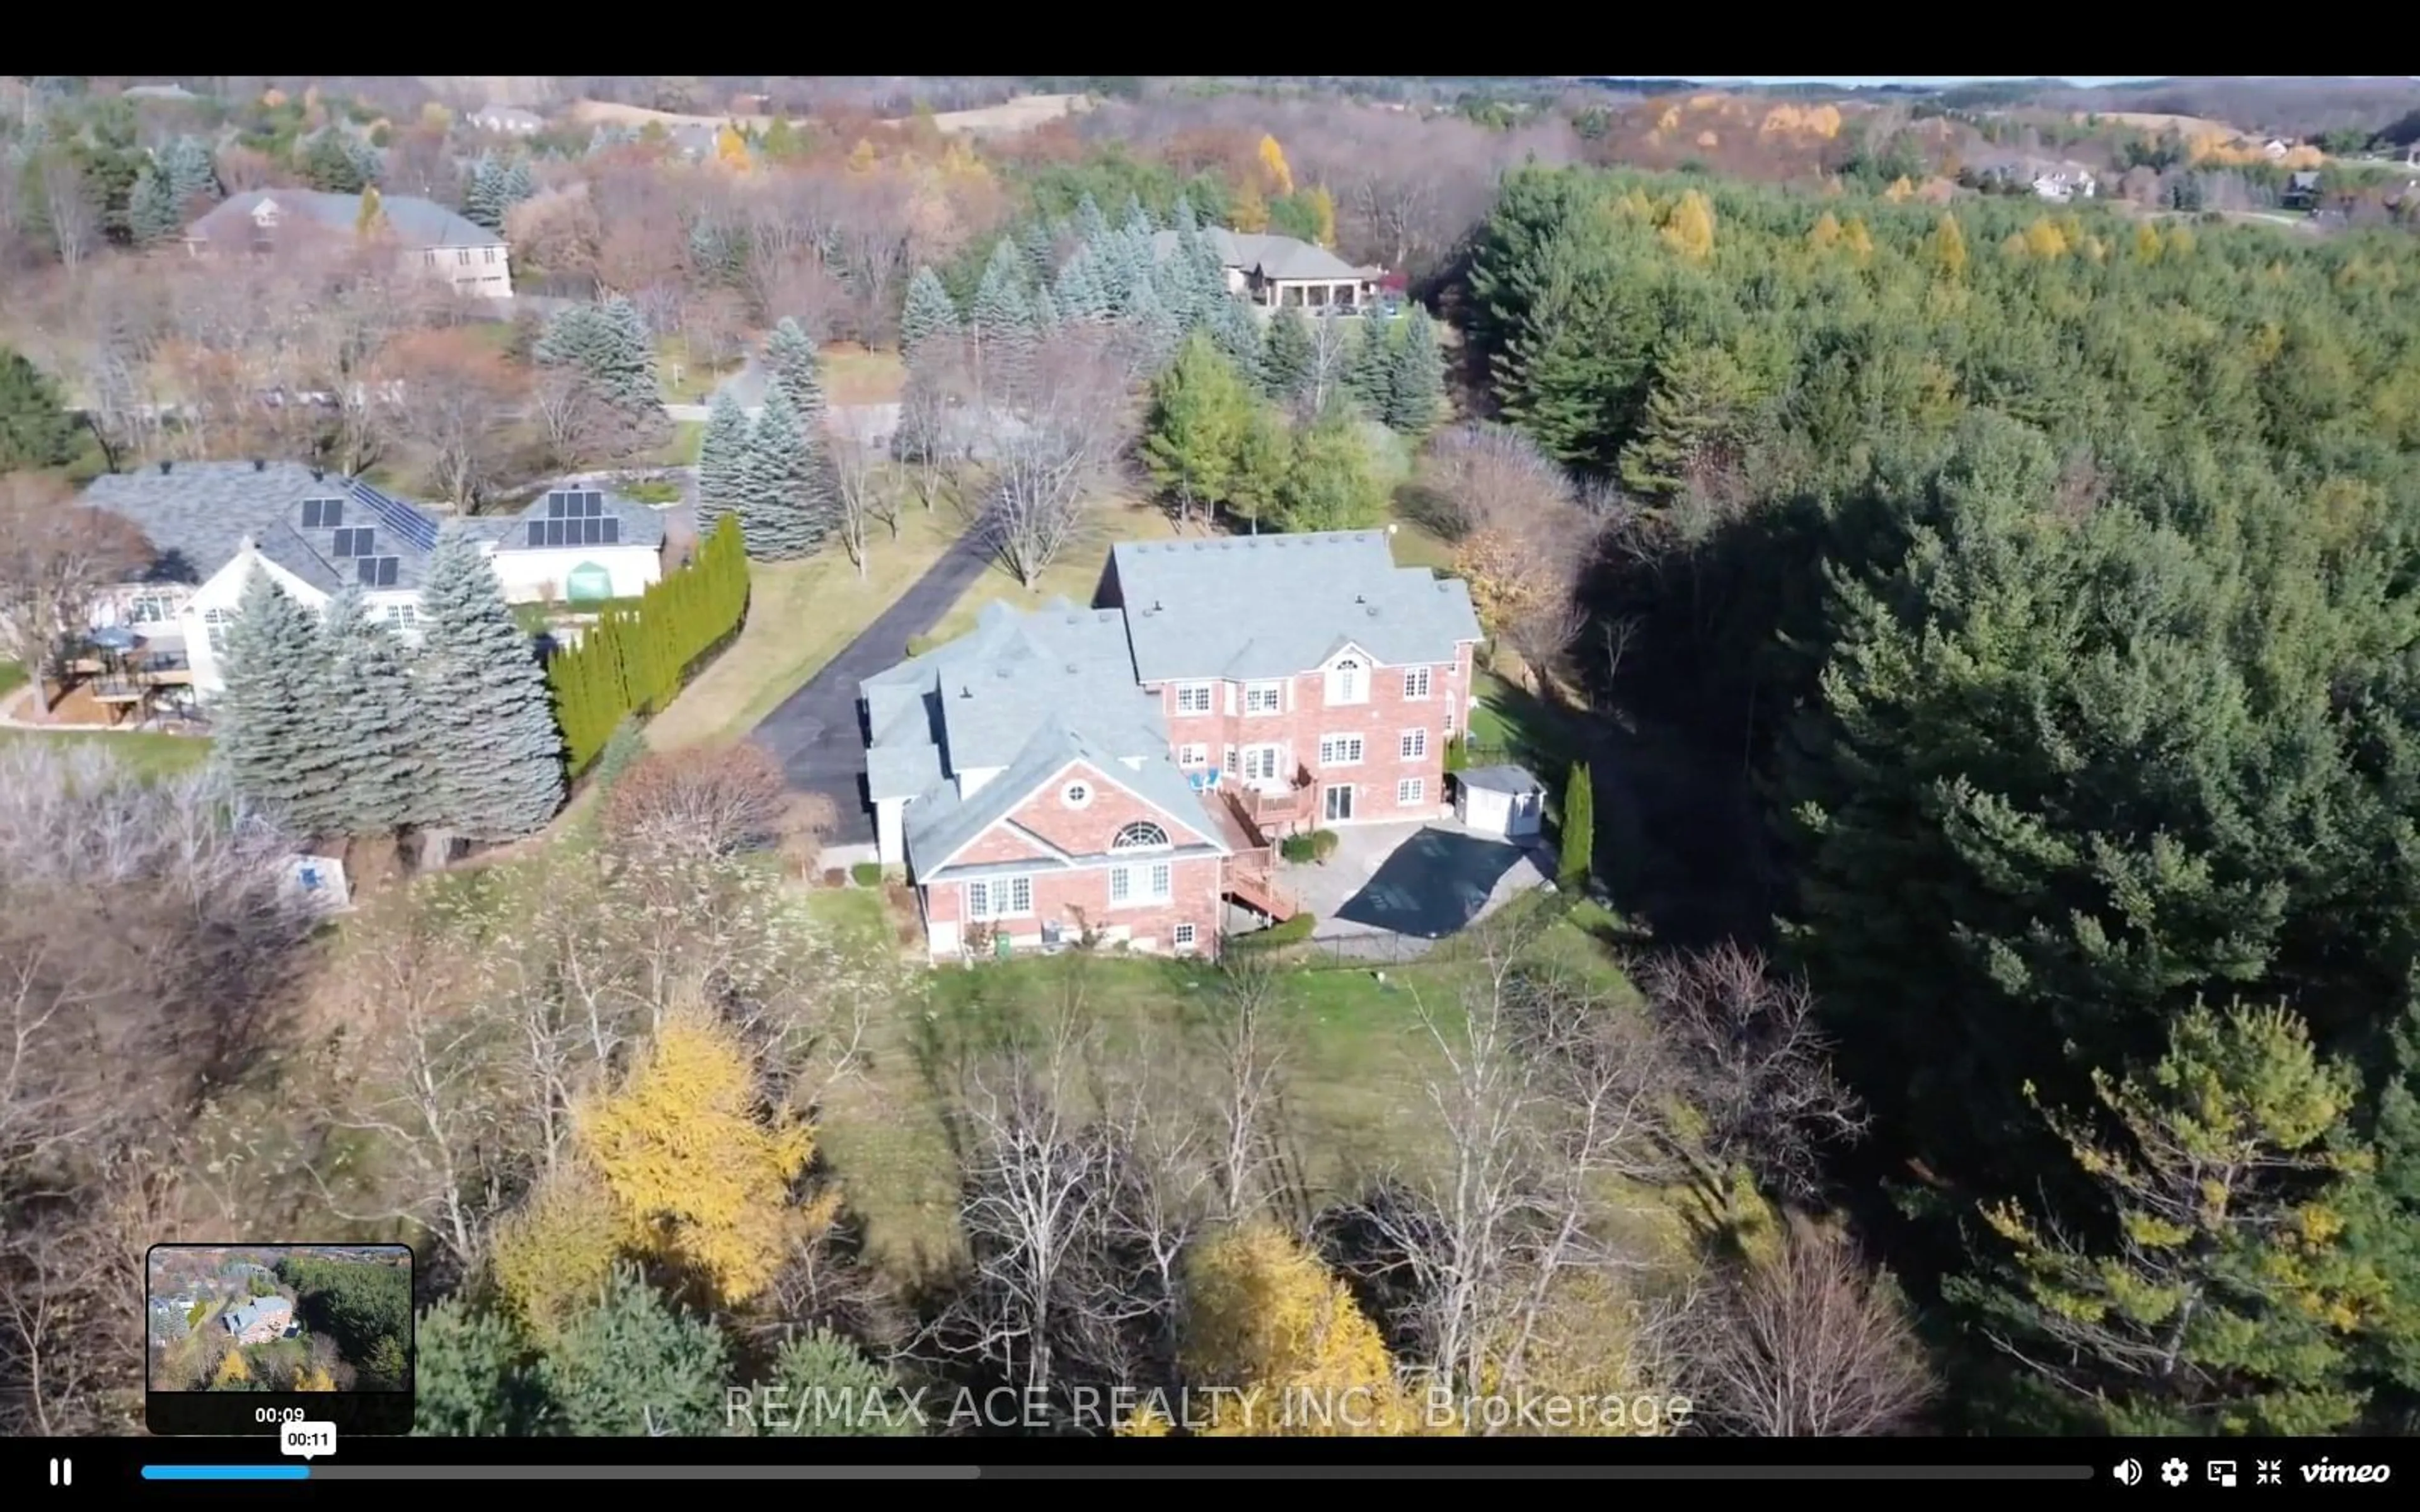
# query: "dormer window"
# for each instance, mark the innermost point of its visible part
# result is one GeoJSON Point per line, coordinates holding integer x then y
{"type": "Point", "coordinates": [323, 513]}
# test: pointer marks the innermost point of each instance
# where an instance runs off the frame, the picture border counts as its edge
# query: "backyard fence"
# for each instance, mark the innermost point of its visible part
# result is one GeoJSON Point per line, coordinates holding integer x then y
{"type": "Point", "coordinates": [1341, 951]}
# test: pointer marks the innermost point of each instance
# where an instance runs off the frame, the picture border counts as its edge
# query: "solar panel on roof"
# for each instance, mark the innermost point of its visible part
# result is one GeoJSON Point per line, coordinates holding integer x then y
{"type": "Point", "coordinates": [613, 531]}
{"type": "Point", "coordinates": [538, 532]}
{"type": "Point", "coordinates": [323, 513]}
{"type": "Point", "coordinates": [416, 529]}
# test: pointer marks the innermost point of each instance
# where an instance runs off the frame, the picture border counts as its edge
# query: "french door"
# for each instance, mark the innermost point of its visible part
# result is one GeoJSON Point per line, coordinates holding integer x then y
{"type": "Point", "coordinates": [1338, 805]}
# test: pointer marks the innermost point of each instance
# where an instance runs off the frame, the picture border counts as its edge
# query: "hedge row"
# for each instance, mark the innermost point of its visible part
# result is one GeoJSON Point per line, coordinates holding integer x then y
{"type": "Point", "coordinates": [633, 660]}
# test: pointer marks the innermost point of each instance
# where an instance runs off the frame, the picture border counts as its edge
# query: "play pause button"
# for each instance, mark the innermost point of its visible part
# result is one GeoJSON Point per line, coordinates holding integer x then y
{"type": "Point", "coordinates": [62, 1472]}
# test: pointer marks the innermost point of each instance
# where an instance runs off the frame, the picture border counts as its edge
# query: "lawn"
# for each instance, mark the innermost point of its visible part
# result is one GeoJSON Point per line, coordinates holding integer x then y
{"type": "Point", "coordinates": [799, 616]}
{"type": "Point", "coordinates": [683, 378]}
{"type": "Point", "coordinates": [681, 451]}
{"type": "Point", "coordinates": [1512, 724]}
{"type": "Point", "coordinates": [1355, 1070]}
{"type": "Point", "coordinates": [858, 374]}
{"type": "Point", "coordinates": [1075, 575]}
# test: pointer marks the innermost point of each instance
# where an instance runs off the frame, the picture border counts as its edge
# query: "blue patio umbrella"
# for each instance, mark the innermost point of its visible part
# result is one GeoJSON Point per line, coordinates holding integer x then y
{"type": "Point", "coordinates": [114, 638]}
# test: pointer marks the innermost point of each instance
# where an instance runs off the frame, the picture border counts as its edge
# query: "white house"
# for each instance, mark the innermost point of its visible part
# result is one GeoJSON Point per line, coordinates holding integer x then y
{"type": "Point", "coordinates": [508, 119]}
{"type": "Point", "coordinates": [212, 524]}
{"type": "Point", "coordinates": [428, 236]}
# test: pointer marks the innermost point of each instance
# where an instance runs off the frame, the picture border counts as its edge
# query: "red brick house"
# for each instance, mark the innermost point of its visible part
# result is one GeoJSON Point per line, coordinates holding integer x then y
{"type": "Point", "coordinates": [1123, 773]}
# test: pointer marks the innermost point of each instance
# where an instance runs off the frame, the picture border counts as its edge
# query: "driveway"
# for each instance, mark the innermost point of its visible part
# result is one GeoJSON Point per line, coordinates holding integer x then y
{"type": "Point", "coordinates": [818, 733]}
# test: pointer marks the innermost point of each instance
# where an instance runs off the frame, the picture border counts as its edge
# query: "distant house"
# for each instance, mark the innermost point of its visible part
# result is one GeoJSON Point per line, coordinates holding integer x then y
{"type": "Point", "coordinates": [1277, 273]}
{"type": "Point", "coordinates": [2064, 183]}
{"type": "Point", "coordinates": [2302, 192]}
{"type": "Point", "coordinates": [258, 1321]}
{"type": "Point", "coordinates": [508, 119]}
{"type": "Point", "coordinates": [2276, 147]}
{"type": "Point", "coordinates": [159, 91]}
{"type": "Point", "coordinates": [471, 257]}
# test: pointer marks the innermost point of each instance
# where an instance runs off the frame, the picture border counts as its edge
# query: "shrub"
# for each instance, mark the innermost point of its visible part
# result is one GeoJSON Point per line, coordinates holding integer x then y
{"type": "Point", "coordinates": [866, 873]}
{"type": "Point", "coordinates": [701, 802]}
{"type": "Point", "coordinates": [1578, 837]}
{"type": "Point", "coordinates": [1323, 845]}
{"type": "Point", "coordinates": [1294, 848]}
{"type": "Point", "coordinates": [919, 644]}
{"type": "Point", "coordinates": [1292, 932]}
{"type": "Point", "coordinates": [1458, 756]}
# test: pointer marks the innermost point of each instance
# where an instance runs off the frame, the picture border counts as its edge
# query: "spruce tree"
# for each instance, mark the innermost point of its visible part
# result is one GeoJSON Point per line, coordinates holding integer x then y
{"type": "Point", "coordinates": [378, 721]}
{"type": "Point", "coordinates": [1416, 376]}
{"type": "Point", "coordinates": [1046, 311]}
{"type": "Point", "coordinates": [331, 164]}
{"type": "Point", "coordinates": [796, 368]}
{"type": "Point", "coordinates": [929, 312]}
{"type": "Point", "coordinates": [1079, 293]}
{"type": "Point", "coordinates": [151, 215]}
{"type": "Point", "coordinates": [1236, 333]}
{"type": "Point", "coordinates": [1370, 366]}
{"type": "Point", "coordinates": [721, 462]}
{"type": "Point", "coordinates": [191, 174]}
{"type": "Point", "coordinates": [999, 310]}
{"type": "Point", "coordinates": [1091, 226]}
{"type": "Point", "coordinates": [1136, 220]}
{"type": "Point", "coordinates": [517, 183]}
{"type": "Point", "coordinates": [1040, 251]}
{"type": "Point", "coordinates": [495, 756]}
{"type": "Point", "coordinates": [1287, 355]}
{"type": "Point", "coordinates": [483, 194]}
{"type": "Point", "coordinates": [265, 705]}
{"type": "Point", "coordinates": [1180, 215]}
{"type": "Point", "coordinates": [629, 375]}
{"type": "Point", "coordinates": [781, 492]}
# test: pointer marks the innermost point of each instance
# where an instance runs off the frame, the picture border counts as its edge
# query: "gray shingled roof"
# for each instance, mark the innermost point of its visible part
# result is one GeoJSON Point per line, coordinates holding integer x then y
{"type": "Point", "coordinates": [257, 1310]}
{"type": "Point", "coordinates": [641, 525]}
{"type": "Point", "coordinates": [1025, 694]}
{"type": "Point", "coordinates": [1272, 606]}
{"type": "Point", "coordinates": [418, 222]}
{"type": "Point", "coordinates": [196, 516]}
{"type": "Point", "coordinates": [1500, 779]}
{"type": "Point", "coordinates": [1275, 256]}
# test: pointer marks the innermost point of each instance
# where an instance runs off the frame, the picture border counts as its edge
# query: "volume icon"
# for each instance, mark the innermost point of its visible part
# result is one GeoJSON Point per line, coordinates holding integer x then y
{"type": "Point", "coordinates": [2128, 1472]}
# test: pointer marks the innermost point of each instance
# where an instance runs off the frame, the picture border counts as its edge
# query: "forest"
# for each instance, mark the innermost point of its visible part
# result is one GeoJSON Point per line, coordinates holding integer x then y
{"type": "Point", "coordinates": [2048, 581]}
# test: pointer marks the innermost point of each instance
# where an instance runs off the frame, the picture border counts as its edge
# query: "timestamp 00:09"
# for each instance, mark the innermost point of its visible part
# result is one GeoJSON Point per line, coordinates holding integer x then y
{"type": "Point", "coordinates": [278, 1414]}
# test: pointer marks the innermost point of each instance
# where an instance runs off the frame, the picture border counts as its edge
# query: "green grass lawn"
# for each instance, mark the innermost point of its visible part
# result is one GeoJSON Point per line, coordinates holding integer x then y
{"type": "Point", "coordinates": [1075, 575]}
{"type": "Point", "coordinates": [148, 752]}
{"type": "Point", "coordinates": [1356, 1071]}
{"type": "Point", "coordinates": [683, 377]}
{"type": "Point", "coordinates": [1511, 723]}
{"type": "Point", "coordinates": [855, 375]}
{"type": "Point", "coordinates": [681, 451]}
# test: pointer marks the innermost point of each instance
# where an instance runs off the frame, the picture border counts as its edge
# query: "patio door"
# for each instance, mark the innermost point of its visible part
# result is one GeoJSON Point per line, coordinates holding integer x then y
{"type": "Point", "coordinates": [1339, 804]}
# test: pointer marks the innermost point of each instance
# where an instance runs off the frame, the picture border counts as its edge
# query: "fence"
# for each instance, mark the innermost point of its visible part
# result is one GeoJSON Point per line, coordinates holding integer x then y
{"type": "Point", "coordinates": [1338, 951]}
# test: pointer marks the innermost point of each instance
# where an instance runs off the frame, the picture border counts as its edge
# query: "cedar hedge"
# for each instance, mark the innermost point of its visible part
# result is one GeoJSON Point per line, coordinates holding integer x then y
{"type": "Point", "coordinates": [633, 660]}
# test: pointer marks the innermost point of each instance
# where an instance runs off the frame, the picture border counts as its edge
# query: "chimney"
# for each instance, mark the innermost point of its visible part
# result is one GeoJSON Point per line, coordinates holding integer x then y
{"type": "Point", "coordinates": [1155, 606]}
{"type": "Point", "coordinates": [165, 466]}
{"type": "Point", "coordinates": [318, 474]}
{"type": "Point", "coordinates": [261, 464]}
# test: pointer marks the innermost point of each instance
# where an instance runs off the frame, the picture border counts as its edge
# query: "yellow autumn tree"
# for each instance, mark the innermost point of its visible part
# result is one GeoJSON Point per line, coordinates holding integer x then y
{"type": "Point", "coordinates": [1269, 1321]}
{"type": "Point", "coordinates": [1322, 206]}
{"type": "Point", "coordinates": [2147, 242]}
{"type": "Point", "coordinates": [2013, 247]}
{"type": "Point", "coordinates": [372, 217]}
{"type": "Point", "coordinates": [232, 1370]}
{"type": "Point", "coordinates": [2046, 241]}
{"type": "Point", "coordinates": [315, 1378]}
{"type": "Point", "coordinates": [1901, 188]}
{"type": "Point", "coordinates": [1635, 205]}
{"type": "Point", "coordinates": [1858, 238]}
{"type": "Point", "coordinates": [1250, 210]}
{"type": "Point", "coordinates": [862, 158]}
{"type": "Point", "coordinates": [1275, 168]}
{"type": "Point", "coordinates": [1689, 229]}
{"type": "Point", "coordinates": [1825, 231]}
{"type": "Point", "coordinates": [1947, 247]}
{"type": "Point", "coordinates": [2179, 242]}
{"type": "Point", "coordinates": [730, 147]}
{"type": "Point", "coordinates": [549, 1257]}
{"type": "Point", "coordinates": [696, 1175]}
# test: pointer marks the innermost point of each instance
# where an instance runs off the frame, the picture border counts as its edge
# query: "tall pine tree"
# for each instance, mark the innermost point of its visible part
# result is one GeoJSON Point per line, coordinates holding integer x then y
{"type": "Point", "coordinates": [1287, 356]}
{"type": "Point", "coordinates": [721, 462]}
{"type": "Point", "coordinates": [263, 713]}
{"type": "Point", "coordinates": [782, 496]}
{"type": "Point", "coordinates": [1416, 376]}
{"type": "Point", "coordinates": [929, 312]}
{"type": "Point", "coordinates": [495, 755]}
{"type": "Point", "coordinates": [796, 368]}
{"type": "Point", "coordinates": [378, 724]}
{"type": "Point", "coordinates": [999, 313]}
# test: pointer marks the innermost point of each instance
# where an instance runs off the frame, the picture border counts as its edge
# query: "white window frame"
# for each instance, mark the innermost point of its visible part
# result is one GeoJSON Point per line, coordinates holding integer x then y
{"type": "Point", "coordinates": [1227, 767]}
{"type": "Point", "coordinates": [1197, 698]}
{"type": "Point", "coordinates": [1141, 885]}
{"type": "Point", "coordinates": [1181, 937]}
{"type": "Point", "coordinates": [1410, 790]}
{"type": "Point", "coordinates": [1077, 794]}
{"type": "Point", "coordinates": [153, 608]}
{"type": "Point", "coordinates": [1272, 768]}
{"type": "Point", "coordinates": [1349, 682]}
{"type": "Point", "coordinates": [1415, 682]}
{"type": "Point", "coordinates": [215, 625]}
{"type": "Point", "coordinates": [1332, 750]}
{"type": "Point", "coordinates": [1005, 889]}
{"type": "Point", "coordinates": [462, 258]}
{"type": "Point", "coordinates": [1264, 698]}
{"type": "Point", "coordinates": [1413, 746]}
{"type": "Point", "coordinates": [403, 616]}
{"type": "Point", "coordinates": [1193, 753]}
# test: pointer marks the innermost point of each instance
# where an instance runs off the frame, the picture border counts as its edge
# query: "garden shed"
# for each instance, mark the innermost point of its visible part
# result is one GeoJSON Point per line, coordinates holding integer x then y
{"type": "Point", "coordinates": [1500, 800]}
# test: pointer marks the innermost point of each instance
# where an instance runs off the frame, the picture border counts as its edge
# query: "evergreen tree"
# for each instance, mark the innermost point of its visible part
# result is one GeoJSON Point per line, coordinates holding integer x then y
{"type": "Point", "coordinates": [1000, 312]}
{"type": "Point", "coordinates": [370, 163]}
{"type": "Point", "coordinates": [929, 312]}
{"type": "Point", "coordinates": [1370, 366]}
{"type": "Point", "coordinates": [483, 194]}
{"type": "Point", "coordinates": [721, 462]}
{"type": "Point", "coordinates": [36, 429]}
{"type": "Point", "coordinates": [265, 715]}
{"type": "Point", "coordinates": [331, 166]}
{"type": "Point", "coordinates": [1198, 412]}
{"type": "Point", "coordinates": [518, 183]}
{"type": "Point", "coordinates": [1699, 409]}
{"type": "Point", "coordinates": [608, 345]}
{"type": "Point", "coordinates": [1136, 220]}
{"type": "Point", "coordinates": [820, 1366]}
{"type": "Point", "coordinates": [1331, 485]}
{"type": "Point", "coordinates": [1416, 376]}
{"type": "Point", "coordinates": [1159, 327]}
{"type": "Point", "coordinates": [1040, 251]}
{"type": "Point", "coordinates": [379, 723]}
{"type": "Point", "coordinates": [1577, 841]}
{"type": "Point", "coordinates": [1091, 226]}
{"type": "Point", "coordinates": [1181, 216]}
{"type": "Point", "coordinates": [151, 214]}
{"type": "Point", "coordinates": [782, 511]}
{"type": "Point", "coordinates": [634, 1365]}
{"type": "Point", "coordinates": [1236, 333]}
{"type": "Point", "coordinates": [495, 757]}
{"type": "Point", "coordinates": [1263, 463]}
{"type": "Point", "coordinates": [191, 175]}
{"type": "Point", "coordinates": [793, 365]}
{"type": "Point", "coordinates": [471, 1377]}
{"type": "Point", "coordinates": [1288, 354]}
{"type": "Point", "coordinates": [1079, 293]}
{"type": "Point", "coordinates": [1045, 312]}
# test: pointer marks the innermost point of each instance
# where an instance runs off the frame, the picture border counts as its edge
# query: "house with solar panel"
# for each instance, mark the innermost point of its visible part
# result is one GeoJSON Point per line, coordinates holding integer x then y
{"type": "Point", "coordinates": [211, 525]}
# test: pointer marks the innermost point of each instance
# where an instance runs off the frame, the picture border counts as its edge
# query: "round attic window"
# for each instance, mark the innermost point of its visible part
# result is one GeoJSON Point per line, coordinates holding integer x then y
{"type": "Point", "coordinates": [1075, 795]}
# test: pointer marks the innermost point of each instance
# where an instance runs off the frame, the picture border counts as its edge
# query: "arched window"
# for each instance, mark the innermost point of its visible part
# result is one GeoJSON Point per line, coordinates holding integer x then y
{"type": "Point", "coordinates": [1345, 683]}
{"type": "Point", "coordinates": [1140, 836]}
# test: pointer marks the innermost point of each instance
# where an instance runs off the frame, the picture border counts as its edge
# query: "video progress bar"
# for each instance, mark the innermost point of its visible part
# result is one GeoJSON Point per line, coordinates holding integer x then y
{"type": "Point", "coordinates": [695, 1473]}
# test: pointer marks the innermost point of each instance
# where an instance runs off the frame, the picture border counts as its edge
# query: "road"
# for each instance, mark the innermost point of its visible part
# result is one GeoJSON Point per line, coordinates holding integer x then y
{"type": "Point", "coordinates": [818, 733]}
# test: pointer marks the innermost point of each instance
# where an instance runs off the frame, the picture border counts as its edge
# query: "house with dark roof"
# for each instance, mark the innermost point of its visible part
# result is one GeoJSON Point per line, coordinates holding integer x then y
{"type": "Point", "coordinates": [260, 1320]}
{"type": "Point", "coordinates": [211, 525]}
{"type": "Point", "coordinates": [1279, 272]}
{"type": "Point", "coordinates": [1123, 772]}
{"type": "Point", "coordinates": [427, 236]}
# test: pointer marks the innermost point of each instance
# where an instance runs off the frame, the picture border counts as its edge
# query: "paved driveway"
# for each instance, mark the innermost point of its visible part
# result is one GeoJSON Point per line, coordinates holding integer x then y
{"type": "Point", "coordinates": [818, 733]}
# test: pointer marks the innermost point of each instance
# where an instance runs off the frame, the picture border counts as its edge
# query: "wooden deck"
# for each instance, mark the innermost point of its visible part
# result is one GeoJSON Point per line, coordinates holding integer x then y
{"type": "Point", "coordinates": [1250, 877]}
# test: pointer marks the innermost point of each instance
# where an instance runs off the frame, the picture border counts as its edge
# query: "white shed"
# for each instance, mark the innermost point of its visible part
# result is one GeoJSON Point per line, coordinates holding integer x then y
{"type": "Point", "coordinates": [1500, 800]}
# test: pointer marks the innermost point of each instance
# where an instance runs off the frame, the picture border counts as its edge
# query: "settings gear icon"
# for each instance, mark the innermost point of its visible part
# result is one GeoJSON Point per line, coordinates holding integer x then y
{"type": "Point", "coordinates": [2175, 1472]}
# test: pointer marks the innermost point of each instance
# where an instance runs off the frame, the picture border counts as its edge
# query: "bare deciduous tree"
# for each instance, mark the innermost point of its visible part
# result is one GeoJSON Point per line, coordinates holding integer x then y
{"type": "Point", "coordinates": [67, 206]}
{"type": "Point", "coordinates": [1803, 1345]}
{"type": "Point", "coordinates": [709, 803]}
{"type": "Point", "coordinates": [1051, 431]}
{"type": "Point", "coordinates": [1244, 1031]}
{"type": "Point", "coordinates": [56, 556]}
{"type": "Point", "coordinates": [457, 401]}
{"type": "Point", "coordinates": [1754, 1064]}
